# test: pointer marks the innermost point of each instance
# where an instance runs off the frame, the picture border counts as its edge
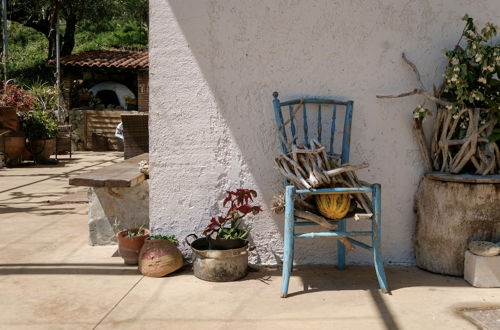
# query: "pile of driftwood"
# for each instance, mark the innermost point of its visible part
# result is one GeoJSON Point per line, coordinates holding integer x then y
{"type": "Point", "coordinates": [450, 152]}
{"type": "Point", "coordinates": [310, 167]}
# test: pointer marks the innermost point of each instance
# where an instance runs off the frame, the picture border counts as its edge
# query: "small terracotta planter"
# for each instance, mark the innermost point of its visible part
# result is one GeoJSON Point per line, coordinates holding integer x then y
{"type": "Point", "coordinates": [129, 247]}
{"type": "Point", "coordinates": [159, 257]}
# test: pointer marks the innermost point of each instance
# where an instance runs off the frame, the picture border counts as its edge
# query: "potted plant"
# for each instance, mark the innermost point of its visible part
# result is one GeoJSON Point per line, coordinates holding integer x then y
{"type": "Point", "coordinates": [160, 256]}
{"type": "Point", "coordinates": [13, 101]}
{"type": "Point", "coordinates": [457, 200]}
{"type": "Point", "coordinates": [130, 242]}
{"type": "Point", "coordinates": [41, 129]}
{"type": "Point", "coordinates": [222, 255]}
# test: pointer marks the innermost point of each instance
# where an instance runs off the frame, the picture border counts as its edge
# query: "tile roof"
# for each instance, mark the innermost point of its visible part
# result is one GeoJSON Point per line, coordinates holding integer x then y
{"type": "Point", "coordinates": [107, 59]}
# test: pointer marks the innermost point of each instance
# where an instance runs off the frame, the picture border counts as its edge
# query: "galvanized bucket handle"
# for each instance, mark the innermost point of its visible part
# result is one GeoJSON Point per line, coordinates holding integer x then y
{"type": "Point", "coordinates": [186, 239]}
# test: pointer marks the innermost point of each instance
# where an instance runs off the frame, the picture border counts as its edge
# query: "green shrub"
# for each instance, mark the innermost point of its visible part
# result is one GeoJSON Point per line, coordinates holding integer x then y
{"type": "Point", "coordinates": [39, 125]}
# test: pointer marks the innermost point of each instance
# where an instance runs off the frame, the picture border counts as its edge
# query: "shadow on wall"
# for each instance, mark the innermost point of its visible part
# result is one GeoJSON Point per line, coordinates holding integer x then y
{"type": "Point", "coordinates": [246, 50]}
{"type": "Point", "coordinates": [243, 62]}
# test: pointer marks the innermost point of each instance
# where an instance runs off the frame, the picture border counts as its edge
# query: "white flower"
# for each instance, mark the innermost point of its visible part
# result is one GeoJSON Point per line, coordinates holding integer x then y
{"type": "Point", "coordinates": [474, 46]}
{"type": "Point", "coordinates": [449, 107]}
{"type": "Point", "coordinates": [416, 115]}
{"type": "Point", "coordinates": [479, 57]}
{"type": "Point", "coordinates": [454, 78]}
{"type": "Point", "coordinates": [482, 80]}
{"type": "Point", "coordinates": [455, 61]}
{"type": "Point", "coordinates": [456, 69]}
{"type": "Point", "coordinates": [490, 68]}
{"type": "Point", "coordinates": [455, 116]}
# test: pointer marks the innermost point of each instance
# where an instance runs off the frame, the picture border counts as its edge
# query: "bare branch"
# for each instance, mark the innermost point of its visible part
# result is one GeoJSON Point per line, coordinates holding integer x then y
{"type": "Point", "coordinates": [414, 68]}
{"type": "Point", "coordinates": [414, 92]}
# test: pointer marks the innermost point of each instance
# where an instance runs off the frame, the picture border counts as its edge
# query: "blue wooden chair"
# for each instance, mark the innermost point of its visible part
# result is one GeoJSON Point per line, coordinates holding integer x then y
{"type": "Point", "coordinates": [291, 127]}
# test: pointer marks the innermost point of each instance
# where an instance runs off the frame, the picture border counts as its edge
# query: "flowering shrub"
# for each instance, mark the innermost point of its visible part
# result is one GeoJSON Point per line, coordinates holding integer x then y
{"type": "Point", "coordinates": [13, 96]}
{"type": "Point", "coordinates": [471, 78]}
{"type": "Point", "coordinates": [230, 225]}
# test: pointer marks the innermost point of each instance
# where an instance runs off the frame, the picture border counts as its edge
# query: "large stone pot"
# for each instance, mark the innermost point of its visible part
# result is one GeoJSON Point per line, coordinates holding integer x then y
{"type": "Point", "coordinates": [451, 211]}
{"type": "Point", "coordinates": [43, 149]}
{"type": "Point", "coordinates": [218, 265]}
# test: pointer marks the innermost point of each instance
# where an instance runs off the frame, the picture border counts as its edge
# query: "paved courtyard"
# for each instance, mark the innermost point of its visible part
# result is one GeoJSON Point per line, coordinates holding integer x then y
{"type": "Point", "coordinates": [50, 278]}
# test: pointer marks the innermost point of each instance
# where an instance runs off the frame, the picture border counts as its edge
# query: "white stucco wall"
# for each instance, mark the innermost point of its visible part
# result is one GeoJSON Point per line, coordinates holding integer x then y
{"type": "Point", "coordinates": [213, 68]}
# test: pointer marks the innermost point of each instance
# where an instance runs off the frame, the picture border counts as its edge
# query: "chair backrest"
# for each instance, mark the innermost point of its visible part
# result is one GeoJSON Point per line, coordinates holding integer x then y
{"type": "Point", "coordinates": [135, 135]}
{"type": "Point", "coordinates": [295, 127]}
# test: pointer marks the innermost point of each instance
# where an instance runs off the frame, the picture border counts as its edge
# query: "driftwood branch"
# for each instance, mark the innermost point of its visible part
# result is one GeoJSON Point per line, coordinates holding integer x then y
{"type": "Point", "coordinates": [415, 92]}
{"type": "Point", "coordinates": [323, 222]}
{"type": "Point", "coordinates": [414, 68]}
{"type": "Point", "coordinates": [422, 144]}
{"type": "Point", "coordinates": [346, 168]}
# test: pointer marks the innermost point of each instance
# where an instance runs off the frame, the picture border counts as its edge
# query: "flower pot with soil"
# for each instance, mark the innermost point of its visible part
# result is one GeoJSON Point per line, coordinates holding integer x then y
{"type": "Point", "coordinates": [222, 255]}
{"type": "Point", "coordinates": [130, 242]}
{"type": "Point", "coordinates": [160, 256]}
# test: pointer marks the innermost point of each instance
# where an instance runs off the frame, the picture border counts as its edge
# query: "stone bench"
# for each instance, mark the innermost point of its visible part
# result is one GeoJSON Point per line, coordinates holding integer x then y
{"type": "Point", "coordinates": [118, 199]}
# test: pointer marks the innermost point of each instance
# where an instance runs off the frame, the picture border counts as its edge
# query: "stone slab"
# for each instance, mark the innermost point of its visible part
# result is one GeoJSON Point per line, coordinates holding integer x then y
{"type": "Point", "coordinates": [114, 209]}
{"type": "Point", "coordinates": [122, 174]}
{"type": "Point", "coordinates": [482, 272]}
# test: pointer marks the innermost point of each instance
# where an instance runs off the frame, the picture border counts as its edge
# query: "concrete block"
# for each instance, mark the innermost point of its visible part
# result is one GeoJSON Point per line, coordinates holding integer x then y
{"type": "Point", "coordinates": [114, 209]}
{"type": "Point", "coordinates": [482, 272]}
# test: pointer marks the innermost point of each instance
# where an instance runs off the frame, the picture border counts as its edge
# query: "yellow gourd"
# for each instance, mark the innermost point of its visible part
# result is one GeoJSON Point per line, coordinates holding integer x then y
{"type": "Point", "coordinates": [333, 206]}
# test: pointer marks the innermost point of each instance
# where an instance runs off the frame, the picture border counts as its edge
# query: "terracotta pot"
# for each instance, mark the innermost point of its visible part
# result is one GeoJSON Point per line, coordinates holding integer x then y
{"type": "Point", "coordinates": [159, 257]}
{"type": "Point", "coordinates": [9, 119]}
{"type": "Point", "coordinates": [43, 149]}
{"type": "Point", "coordinates": [129, 247]}
{"type": "Point", "coordinates": [14, 147]}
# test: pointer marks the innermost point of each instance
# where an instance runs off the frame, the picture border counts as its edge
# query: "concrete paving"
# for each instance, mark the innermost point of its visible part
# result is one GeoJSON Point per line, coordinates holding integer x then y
{"type": "Point", "coordinates": [50, 278]}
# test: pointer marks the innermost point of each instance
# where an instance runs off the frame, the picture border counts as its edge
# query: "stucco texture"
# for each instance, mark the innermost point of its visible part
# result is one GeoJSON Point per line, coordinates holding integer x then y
{"type": "Point", "coordinates": [213, 68]}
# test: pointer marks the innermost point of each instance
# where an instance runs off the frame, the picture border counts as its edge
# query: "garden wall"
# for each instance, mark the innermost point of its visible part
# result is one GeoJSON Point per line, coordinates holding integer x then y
{"type": "Point", "coordinates": [213, 68]}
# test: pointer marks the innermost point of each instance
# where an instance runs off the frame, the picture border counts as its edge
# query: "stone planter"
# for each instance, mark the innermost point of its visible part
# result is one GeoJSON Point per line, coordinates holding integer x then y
{"type": "Point", "coordinates": [218, 265]}
{"type": "Point", "coordinates": [451, 211]}
{"type": "Point", "coordinates": [129, 247]}
{"type": "Point", "coordinates": [159, 257]}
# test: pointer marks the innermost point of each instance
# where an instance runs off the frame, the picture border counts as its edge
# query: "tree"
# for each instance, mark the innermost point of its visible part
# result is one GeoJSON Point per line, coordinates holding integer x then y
{"type": "Point", "coordinates": [42, 16]}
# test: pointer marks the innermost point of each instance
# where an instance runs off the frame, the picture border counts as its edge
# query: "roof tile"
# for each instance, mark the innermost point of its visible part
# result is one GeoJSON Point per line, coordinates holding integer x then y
{"type": "Point", "coordinates": [107, 59]}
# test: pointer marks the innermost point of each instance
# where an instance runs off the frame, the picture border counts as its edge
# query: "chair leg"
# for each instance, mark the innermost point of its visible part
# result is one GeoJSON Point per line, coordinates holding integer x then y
{"type": "Point", "coordinates": [376, 235]}
{"type": "Point", "coordinates": [288, 240]}
{"type": "Point", "coordinates": [341, 247]}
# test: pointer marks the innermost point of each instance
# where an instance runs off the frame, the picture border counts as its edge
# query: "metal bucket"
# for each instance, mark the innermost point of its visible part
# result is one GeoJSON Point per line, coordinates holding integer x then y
{"type": "Point", "coordinates": [218, 265]}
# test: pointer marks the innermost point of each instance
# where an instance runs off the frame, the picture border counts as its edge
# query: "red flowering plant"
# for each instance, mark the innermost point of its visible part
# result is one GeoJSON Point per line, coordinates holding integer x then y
{"type": "Point", "coordinates": [13, 96]}
{"type": "Point", "coordinates": [231, 226]}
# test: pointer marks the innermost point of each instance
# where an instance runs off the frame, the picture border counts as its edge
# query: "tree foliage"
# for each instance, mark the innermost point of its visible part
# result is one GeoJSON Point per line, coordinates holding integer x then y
{"type": "Point", "coordinates": [42, 15]}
